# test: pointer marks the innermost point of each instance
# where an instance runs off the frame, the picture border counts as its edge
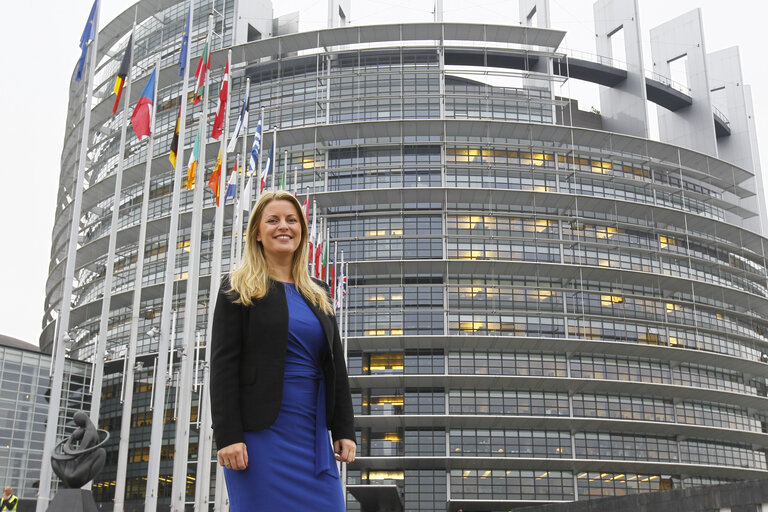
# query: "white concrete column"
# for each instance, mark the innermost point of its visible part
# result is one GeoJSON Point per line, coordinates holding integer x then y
{"type": "Point", "coordinates": [623, 106]}
{"type": "Point", "coordinates": [693, 126]}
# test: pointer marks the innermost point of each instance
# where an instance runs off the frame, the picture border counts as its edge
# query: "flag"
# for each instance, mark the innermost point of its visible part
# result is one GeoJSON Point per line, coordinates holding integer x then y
{"type": "Point", "coordinates": [89, 32]}
{"type": "Point", "coordinates": [184, 44]}
{"type": "Point", "coordinates": [203, 65]}
{"type": "Point", "coordinates": [192, 165]}
{"type": "Point", "coordinates": [241, 121]}
{"type": "Point", "coordinates": [282, 180]}
{"type": "Point", "coordinates": [218, 122]}
{"type": "Point", "coordinates": [245, 197]}
{"type": "Point", "coordinates": [318, 250]}
{"type": "Point", "coordinates": [324, 262]}
{"type": "Point", "coordinates": [175, 141]}
{"type": "Point", "coordinates": [215, 179]}
{"type": "Point", "coordinates": [255, 148]}
{"type": "Point", "coordinates": [231, 184]}
{"type": "Point", "coordinates": [122, 73]}
{"type": "Point", "coordinates": [141, 119]}
{"type": "Point", "coordinates": [312, 232]}
{"type": "Point", "coordinates": [332, 279]}
{"type": "Point", "coordinates": [341, 290]}
{"type": "Point", "coordinates": [305, 207]}
{"type": "Point", "coordinates": [265, 172]}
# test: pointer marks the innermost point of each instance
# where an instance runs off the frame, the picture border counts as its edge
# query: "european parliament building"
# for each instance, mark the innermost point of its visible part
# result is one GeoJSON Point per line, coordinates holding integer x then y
{"type": "Point", "coordinates": [545, 304]}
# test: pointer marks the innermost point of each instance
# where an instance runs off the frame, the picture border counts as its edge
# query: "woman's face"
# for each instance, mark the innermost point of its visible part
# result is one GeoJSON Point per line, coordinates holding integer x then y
{"type": "Point", "coordinates": [279, 229]}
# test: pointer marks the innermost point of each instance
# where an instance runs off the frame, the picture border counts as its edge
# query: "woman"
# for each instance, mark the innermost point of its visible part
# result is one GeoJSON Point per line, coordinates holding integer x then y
{"type": "Point", "coordinates": [278, 379]}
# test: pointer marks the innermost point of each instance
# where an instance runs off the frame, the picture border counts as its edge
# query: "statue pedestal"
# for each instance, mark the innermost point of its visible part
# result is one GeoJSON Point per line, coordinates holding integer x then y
{"type": "Point", "coordinates": [72, 500]}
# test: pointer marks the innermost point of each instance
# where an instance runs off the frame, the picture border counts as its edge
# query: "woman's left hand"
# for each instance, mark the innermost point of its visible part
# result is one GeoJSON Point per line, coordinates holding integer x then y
{"type": "Point", "coordinates": [344, 450]}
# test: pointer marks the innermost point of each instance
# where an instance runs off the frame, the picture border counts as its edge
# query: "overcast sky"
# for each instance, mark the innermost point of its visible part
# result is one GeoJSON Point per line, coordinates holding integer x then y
{"type": "Point", "coordinates": [41, 49]}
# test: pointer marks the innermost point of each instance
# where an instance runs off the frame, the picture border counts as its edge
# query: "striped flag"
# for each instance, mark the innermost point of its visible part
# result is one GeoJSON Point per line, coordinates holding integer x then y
{"type": "Point", "coordinates": [241, 121]}
{"type": "Point", "coordinates": [215, 178]}
{"type": "Point", "coordinates": [122, 73]}
{"type": "Point", "coordinates": [255, 148]}
{"type": "Point", "coordinates": [231, 184]}
{"type": "Point", "coordinates": [192, 165]}
{"type": "Point", "coordinates": [265, 172]}
{"type": "Point", "coordinates": [141, 119]}
{"type": "Point", "coordinates": [175, 141]}
{"type": "Point", "coordinates": [218, 122]}
{"type": "Point", "coordinates": [203, 65]}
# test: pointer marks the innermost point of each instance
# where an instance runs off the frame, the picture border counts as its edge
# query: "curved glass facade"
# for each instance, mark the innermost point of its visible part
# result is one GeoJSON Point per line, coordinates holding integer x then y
{"type": "Point", "coordinates": [537, 312]}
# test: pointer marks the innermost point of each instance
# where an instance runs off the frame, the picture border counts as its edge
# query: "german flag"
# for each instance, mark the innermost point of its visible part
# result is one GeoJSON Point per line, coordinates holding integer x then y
{"type": "Point", "coordinates": [122, 73]}
{"type": "Point", "coordinates": [175, 141]}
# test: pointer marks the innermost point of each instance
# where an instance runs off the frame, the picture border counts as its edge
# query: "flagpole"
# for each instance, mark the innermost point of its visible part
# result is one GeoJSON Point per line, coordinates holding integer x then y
{"type": "Point", "coordinates": [343, 331]}
{"type": "Point", "coordinates": [130, 355]}
{"type": "Point", "coordinates": [202, 492]}
{"type": "Point", "coordinates": [274, 156]}
{"type": "Point", "coordinates": [52, 423]}
{"type": "Point", "coordinates": [260, 159]}
{"type": "Point", "coordinates": [101, 343]}
{"type": "Point", "coordinates": [183, 430]}
{"type": "Point", "coordinates": [167, 336]}
{"type": "Point", "coordinates": [239, 205]}
{"type": "Point", "coordinates": [295, 177]}
{"type": "Point", "coordinates": [314, 234]}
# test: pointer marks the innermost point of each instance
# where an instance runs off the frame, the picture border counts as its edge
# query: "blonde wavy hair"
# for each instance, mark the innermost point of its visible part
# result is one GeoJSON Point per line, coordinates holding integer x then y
{"type": "Point", "coordinates": [251, 280]}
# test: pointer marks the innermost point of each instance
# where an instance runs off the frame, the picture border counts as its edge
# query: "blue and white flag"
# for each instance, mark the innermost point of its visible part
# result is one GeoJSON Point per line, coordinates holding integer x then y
{"type": "Point", "coordinates": [255, 148]}
{"type": "Point", "coordinates": [241, 121]}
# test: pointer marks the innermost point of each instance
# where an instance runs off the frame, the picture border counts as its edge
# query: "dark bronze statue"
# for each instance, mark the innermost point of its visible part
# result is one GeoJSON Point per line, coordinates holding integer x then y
{"type": "Point", "coordinates": [79, 458]}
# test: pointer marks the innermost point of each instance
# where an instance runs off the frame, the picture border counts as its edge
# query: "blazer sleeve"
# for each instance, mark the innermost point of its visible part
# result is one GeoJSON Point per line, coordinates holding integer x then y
{"type": "Point", "coordinates": [226, 347]}
{"type": "Point", "coordinates": [343, 425]}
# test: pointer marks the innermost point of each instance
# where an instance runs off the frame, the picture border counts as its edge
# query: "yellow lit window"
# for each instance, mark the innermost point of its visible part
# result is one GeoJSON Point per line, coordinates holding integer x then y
{"type": "Point", "coordinates": [396, 332]}
{"type": "Point", "coordinates": [670, 307]}
{"type": "Point", "coordinates": [397, 297]}
{"type": "Point", "coordinates": [380, 232]}
{"type": "Point", "coordinates": [387, 400]}
{"type": "Point", "coordinates": [610, 300]}
{"type": "Point", "coordinates": [308, 162]}
{"type": "Point", "coordinates": [387, 361]}
{"type": "Point", "coordinates": [375, 298]}
{"type": "Point", "coordinates": [471, 326]}
{"type": "Point", "coordinates": [375, 332]}
{"type": "Point", "coordinates": [470, 291]}
{"type": "Point", "coordinates": [397, 232]}
{"type": "Point", "coordinates": [386, 475]}
{"type": "Point", "coordinates": [541, 225]}
{"type": "Point", "coordinates": [184, 244]}
{"type": "Point", "coordinates": [392, 436]}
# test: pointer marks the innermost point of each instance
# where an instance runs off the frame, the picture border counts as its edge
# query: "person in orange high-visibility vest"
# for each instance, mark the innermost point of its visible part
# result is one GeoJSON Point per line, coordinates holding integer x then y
{"type": "Point", "coordinates": [9, 501]}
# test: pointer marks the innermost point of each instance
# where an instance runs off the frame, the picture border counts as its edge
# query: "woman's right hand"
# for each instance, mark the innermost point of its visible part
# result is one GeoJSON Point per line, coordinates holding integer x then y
{"type": "Point", "coordinates": [234, 456]}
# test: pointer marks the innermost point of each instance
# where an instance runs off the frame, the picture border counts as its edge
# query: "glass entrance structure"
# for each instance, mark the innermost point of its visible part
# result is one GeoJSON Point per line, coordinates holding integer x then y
{"type": "Point", "coordinates": [541, 309]}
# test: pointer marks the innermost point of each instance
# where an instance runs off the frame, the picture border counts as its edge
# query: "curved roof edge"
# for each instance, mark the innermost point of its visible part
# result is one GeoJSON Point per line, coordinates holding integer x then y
{"type": "Point", "coordinates": [7, 341]}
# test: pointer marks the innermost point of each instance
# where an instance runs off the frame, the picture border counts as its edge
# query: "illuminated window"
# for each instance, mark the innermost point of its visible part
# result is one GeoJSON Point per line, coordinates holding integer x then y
{"type": "Point", "coordinates": [610, 300]}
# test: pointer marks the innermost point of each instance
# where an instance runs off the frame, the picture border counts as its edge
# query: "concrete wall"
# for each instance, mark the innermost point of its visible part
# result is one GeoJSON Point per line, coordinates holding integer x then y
{"type": "Point", "coordinates": [623, 106]}
{"type": "Point", "coordinates": [691, 127]}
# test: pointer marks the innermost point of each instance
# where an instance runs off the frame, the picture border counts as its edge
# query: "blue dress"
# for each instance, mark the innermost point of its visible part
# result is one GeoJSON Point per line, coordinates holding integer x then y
{"type": "Point", "coordinates": [291, 466]}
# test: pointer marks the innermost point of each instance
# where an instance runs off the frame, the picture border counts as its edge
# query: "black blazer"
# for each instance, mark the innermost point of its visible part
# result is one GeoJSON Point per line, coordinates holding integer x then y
{"type": "Point", "coordinates": [248, 350]}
